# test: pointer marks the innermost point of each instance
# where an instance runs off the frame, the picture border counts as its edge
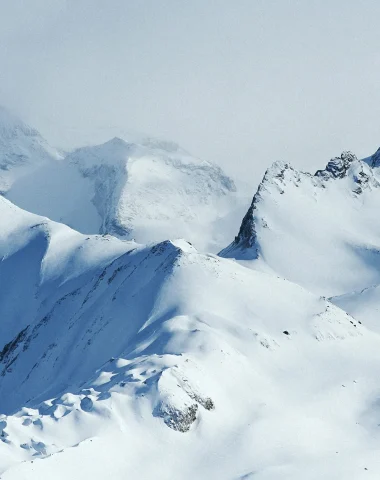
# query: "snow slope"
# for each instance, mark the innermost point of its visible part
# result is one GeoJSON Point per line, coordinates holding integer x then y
{"type": "Point", "coordinates": [321, 231]}
{"type": "Point", "coordinates": [364, 305]}
{"type": "Point", "coordinates": [148, 191]}
{"type": "Point", "coordinates": [22, 150]}
{"type": "Point", "coordinates": [161, 362]}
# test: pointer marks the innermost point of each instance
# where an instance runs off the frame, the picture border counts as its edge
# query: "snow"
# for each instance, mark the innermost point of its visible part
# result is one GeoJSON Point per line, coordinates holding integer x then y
{"type": "Point", "coordinates": [322, 233]}
{"type": "Point", "coordinates": [146, 191]}
{"type": "Point", "coordinates": [22, 150]}
{"type": "Point", "coordinates": [123, 339]}
{"type": "Point", "coordinates": [363, 305]}
{"type": "Point", "coordinates": [152, 359]}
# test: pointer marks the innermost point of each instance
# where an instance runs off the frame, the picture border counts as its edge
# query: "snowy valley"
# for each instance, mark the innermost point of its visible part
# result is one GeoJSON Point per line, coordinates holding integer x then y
{"type": "Point", "coordinates": [130, 349]}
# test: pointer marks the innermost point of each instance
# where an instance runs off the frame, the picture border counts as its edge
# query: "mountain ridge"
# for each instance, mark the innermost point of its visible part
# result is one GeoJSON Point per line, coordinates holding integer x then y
{"type": "Point", "coordinates": [156, 342]}
{"type": "Point", "coordinates": [299, 218]}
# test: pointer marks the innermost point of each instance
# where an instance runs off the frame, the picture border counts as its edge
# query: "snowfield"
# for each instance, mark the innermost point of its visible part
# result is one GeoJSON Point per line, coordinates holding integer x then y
{"type": "Point", "coordinates": [155, 360]}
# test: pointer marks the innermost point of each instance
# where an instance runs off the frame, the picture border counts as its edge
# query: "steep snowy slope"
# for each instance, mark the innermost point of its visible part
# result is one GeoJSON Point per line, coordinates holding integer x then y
{"type": "Point", "coordinates": [161, 362]}
{"type": "Point", "coordinates": [321, 231]}
{"type": "Point", "coordinates": [22, 150]}
{"type": "Point", "coordinates": [148, 191]}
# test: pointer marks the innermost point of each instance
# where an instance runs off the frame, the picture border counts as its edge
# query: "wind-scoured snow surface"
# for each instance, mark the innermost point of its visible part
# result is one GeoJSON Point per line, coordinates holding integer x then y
{"type": "Point", "coordinates": [152, 360]}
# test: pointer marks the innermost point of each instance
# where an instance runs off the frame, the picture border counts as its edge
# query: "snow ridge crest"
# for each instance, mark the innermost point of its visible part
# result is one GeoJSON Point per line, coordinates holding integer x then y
{"type": "Point", "coordinates": [360, 175]}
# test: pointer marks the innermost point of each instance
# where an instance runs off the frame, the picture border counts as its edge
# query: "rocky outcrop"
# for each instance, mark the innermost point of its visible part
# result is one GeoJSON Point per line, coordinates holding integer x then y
{"type": "Point", "coordinates": [177, 419]}
{"type": "Point", "coordinates": [337, 167]}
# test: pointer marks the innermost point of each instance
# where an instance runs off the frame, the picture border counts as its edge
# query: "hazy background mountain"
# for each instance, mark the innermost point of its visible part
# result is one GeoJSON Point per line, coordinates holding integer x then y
{"type": "Point", "coordinates": [238, 84]}
{"type": "Point", "coordinates": [138, 188]}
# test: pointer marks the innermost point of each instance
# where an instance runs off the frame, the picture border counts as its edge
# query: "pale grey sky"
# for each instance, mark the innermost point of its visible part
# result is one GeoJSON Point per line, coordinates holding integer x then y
{"type": "Point", "coordinates": [238, 82]}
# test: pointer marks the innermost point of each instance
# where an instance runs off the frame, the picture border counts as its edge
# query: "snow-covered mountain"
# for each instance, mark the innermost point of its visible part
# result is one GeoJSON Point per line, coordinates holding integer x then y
{"type": "Point", "coordinates": [148, 359]}
{"type": "Point", "coordinates": [22, 150]}
{"type": "Point", "coordinates": [161, 362]}
{"type": "Point", "coordinates": [148, 191]}
{"type": "Point", "coordinates": [321, 231]}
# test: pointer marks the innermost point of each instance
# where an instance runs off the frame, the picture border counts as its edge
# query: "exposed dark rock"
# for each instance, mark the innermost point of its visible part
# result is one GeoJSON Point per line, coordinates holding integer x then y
{"type": "Point", "coordinates": [375, 159]}
{"type": "Point", "coordinates": [338, 166]}
{"type": "Point", "coordinates": [275, 176]}
{"type": "Point", "coordinates": [180, 420]}
{"type": "Point", "coordinates": [206, 402]}
{"type": "Point", "coordinates": [10, 347]}
{"type": "Point", "coordinates": [3, 425]}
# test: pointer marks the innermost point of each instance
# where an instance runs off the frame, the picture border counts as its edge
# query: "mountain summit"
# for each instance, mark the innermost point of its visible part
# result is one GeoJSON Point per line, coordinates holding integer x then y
{"type": "Point", "coordinates": [321, 231]}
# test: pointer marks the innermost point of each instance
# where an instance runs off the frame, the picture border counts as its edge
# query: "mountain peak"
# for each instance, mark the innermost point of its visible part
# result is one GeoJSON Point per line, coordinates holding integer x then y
{"type": "Point", "coordinates": [309, 227]}
{"type": "Point", "coordinates": [116, 141]}
{"type": "Point", "coordinates": [276, 177]}
{"type": "Point", "coordinates": [337, 167]}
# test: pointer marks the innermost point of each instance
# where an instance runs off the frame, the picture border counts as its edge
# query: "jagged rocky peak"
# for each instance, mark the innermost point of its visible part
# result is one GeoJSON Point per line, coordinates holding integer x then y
{"type": "Point", "coordinates": [349, 166]}
{"type": "Point", "coordinates": [337, 167]}
{"type": "Point", "coordinates": [278, 170]}
{"type": "Point", "coordinates": [277, 175]}
{"type": "Point", "coordinates": [281, 177]}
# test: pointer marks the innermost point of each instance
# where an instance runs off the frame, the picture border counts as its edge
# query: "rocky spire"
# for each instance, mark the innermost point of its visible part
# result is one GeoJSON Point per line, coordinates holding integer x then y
{"type": "Point", "coordinates": [338, 166]}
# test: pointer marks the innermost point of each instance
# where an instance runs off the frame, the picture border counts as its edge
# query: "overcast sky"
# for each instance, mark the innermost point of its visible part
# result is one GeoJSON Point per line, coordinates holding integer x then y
{"type": "Point", "coordinates": [239, 82]}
